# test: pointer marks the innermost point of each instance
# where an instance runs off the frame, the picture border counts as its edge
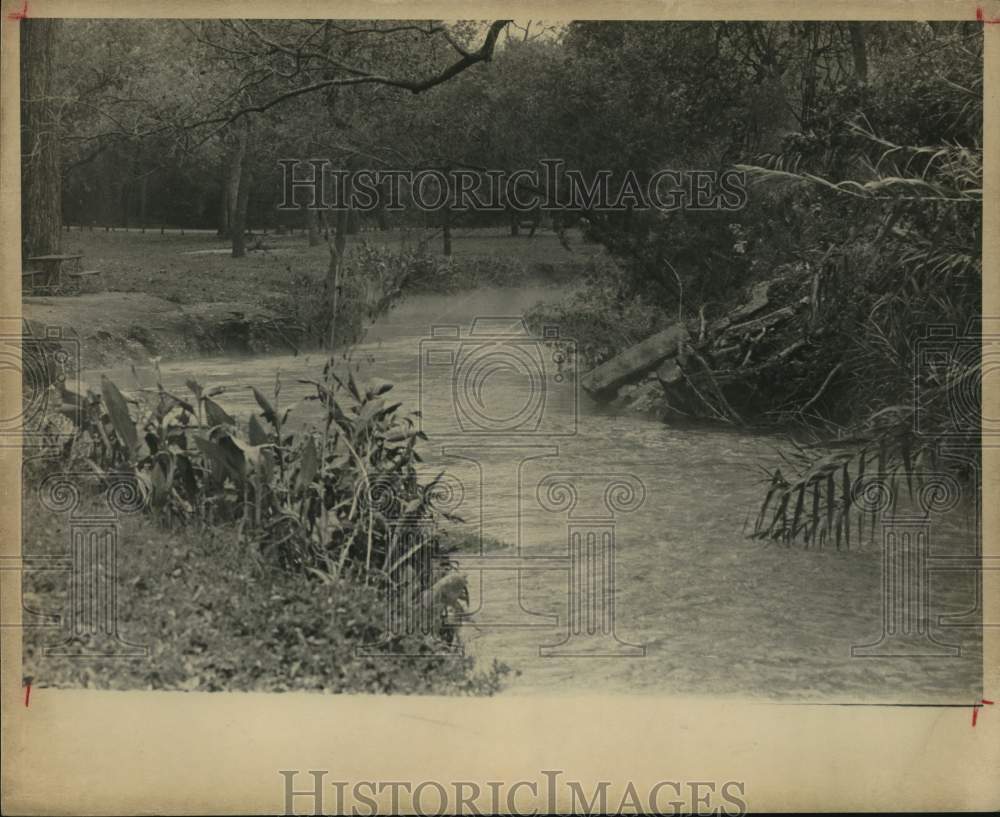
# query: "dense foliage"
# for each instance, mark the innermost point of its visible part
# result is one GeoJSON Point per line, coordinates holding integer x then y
{"type": "Point", "coordinates": [214, 616]}
{"type": "Point", "coordinates": [332, 502]}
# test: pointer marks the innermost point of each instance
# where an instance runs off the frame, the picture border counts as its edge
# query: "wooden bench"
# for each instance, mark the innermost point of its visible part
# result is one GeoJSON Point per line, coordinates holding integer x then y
{"type": "Point", "coordinates": [78, 278]}
{"type": "Point", "coordinates": [29, 283]}
{"type": "Point", "coordinates": [53, 269]}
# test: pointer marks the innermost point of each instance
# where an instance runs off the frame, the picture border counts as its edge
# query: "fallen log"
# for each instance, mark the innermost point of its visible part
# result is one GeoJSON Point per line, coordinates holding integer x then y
{"type": "Point", "coordinates": [669, 373]}
{"type": "Point", "coordinates": [729, 351]}
{"type": "Point", "coordinates": [633, 363]}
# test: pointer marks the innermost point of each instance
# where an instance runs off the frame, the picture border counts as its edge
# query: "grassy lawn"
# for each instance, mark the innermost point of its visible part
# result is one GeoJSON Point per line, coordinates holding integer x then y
{"type": "Point", "coordinates": [196, 267]}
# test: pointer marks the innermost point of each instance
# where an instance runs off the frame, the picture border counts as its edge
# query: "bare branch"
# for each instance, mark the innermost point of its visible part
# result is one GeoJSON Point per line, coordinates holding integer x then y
{"type": "Point", "coordinates": [362, 77]}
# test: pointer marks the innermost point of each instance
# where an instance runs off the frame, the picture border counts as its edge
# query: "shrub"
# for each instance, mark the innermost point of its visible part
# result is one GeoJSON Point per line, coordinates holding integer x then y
{"type": "Point", "coordinates": [371, 282]}
{"type": "Point", "coordinates": [317, 523]}
{"type": "Point", "coordinates": [328, 502]}
{"type": "Point", "coordinates": [439, 274]}
{"type": "Point", "coordinates": [375, 278]}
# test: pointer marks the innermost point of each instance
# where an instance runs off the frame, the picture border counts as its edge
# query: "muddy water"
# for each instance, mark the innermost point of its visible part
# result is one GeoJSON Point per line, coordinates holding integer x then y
{"type": "Point", "coordinates": [687, 604]}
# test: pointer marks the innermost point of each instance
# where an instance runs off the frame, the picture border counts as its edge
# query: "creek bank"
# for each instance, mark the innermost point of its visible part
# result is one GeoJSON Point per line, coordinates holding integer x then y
{"type": "Point", "coordinates": [116, 328]}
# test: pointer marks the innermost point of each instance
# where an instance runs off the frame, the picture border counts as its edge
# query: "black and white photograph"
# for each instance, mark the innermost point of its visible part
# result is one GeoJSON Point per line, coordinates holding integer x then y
{"type": "Point", "coordinates": [499, 360]}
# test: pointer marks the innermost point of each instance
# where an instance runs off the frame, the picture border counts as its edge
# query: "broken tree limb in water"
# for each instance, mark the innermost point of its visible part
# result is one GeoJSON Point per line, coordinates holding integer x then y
{"type": "Point", "coordinates": [631, 364]}
{"type": "Point", "coordinates": [722, 369]}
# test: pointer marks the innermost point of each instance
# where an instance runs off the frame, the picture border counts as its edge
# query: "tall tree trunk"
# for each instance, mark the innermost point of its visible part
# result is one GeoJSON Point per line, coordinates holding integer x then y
{"type": "Point", "coordinates": [223, 214]}
{"type": "Point", "coordinates": [236, 157]}
{"type": "Point", "coordinates": [41, 178]}
{"type": "Point", "coordinates": [238, 219]}
{"type": "Point", "coordinates": [312, 224]}
{"type": "Point", "coordinates": [446, 232]}
{"type": "Point", "coordinates": [143, 186]}
{"type": "Point", "coordinates": [239, 228]}
{"type": "Point", "coordinates": [337, 251]}
{"type": "Point", "coordinates": [340, 239]}
{"type": "Point", "coordinates": [811, 31]}
{"type": "Point", "coordinates": [126, 202]}
{"type": "Point", "coordinates": [233, 189]}
{"type": "Point", "coordinates": [859, 50]}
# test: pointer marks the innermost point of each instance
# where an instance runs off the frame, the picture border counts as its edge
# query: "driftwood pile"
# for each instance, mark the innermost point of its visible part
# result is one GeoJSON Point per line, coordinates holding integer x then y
{"type": "Point", "coordinates": [718, 369]}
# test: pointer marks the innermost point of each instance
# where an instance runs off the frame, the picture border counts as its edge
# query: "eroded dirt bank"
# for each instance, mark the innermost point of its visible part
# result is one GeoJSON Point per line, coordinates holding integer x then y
{"type": "Point", "coordinates": [115, 328]}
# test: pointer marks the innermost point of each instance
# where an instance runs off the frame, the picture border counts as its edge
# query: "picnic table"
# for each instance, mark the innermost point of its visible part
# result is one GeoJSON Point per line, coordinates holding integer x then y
{"type": "Point", "coordinates": [50, 269]}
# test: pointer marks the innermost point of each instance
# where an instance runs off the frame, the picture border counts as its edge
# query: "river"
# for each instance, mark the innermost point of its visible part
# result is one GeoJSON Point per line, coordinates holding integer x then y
{"type": "Point", "coordinates": [689, 604]}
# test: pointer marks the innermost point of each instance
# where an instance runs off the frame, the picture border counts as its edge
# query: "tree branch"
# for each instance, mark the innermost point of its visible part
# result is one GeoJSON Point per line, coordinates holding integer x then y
{"type": "Point", "coordinates": [362, 77]}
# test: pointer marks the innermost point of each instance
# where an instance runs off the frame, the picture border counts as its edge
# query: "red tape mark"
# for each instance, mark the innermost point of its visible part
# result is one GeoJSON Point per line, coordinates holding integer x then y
{"type": "Point", "coordinates": [990, 21]}
{"type": "Point", "coordinates": [976, 707]}
{"type": "Point", "coordinates": [21, 13]}
{"type": "Point", "coordinates": [27, 695]}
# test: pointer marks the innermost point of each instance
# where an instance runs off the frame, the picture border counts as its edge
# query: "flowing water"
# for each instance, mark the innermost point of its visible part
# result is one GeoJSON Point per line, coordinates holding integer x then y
{"type": "Point", "coordinates": [687, 603]}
